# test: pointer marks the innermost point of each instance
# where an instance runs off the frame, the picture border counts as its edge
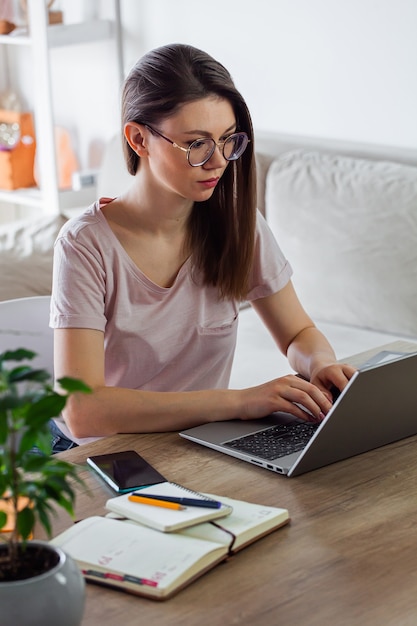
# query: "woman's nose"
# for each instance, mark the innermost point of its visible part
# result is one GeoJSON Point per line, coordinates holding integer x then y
{"type": "Point", "coordinates": [217, 159]}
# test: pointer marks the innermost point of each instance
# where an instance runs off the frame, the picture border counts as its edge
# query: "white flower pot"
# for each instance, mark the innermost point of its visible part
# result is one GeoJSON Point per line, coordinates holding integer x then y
{"type": "Point", "coordinates": [55, 597]}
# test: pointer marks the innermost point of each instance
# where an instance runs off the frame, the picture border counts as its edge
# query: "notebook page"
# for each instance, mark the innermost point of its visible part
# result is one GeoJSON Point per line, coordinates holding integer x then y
{"type": "Point", "coordinates": [158, 561]}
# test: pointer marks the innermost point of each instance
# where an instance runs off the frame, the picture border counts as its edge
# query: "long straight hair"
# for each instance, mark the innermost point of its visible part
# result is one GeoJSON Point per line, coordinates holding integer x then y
{"type": "Point", "coordinates": [221, 230]}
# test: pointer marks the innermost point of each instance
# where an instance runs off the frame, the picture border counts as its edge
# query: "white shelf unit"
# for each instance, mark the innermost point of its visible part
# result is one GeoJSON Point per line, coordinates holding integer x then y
{"type": "Point", "coordinates": [41, 38]}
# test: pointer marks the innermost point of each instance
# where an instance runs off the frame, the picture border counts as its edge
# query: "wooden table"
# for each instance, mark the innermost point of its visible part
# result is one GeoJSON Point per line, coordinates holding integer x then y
{"type": "Point", "coordinates": [349, 555]}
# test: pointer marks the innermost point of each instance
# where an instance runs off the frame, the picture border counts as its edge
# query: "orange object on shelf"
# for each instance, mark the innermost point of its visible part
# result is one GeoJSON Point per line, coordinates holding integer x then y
{"type": "Point", "coordinates": [6, 506]}
{"type": "Point", "coordinates": [16, 164]}
{"type": "Point", "coordinates": [55, 17]}
{"type": "Point", "coordinates": [6, 27]}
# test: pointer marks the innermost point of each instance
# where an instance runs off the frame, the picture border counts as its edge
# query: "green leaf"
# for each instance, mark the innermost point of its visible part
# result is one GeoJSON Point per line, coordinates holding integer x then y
{"type": "Point", "coordinates": [27, 373]}
{"type": "Point", "coordinates": [28, 441]}
{"type": "Point", "coordinates": [36, 462]}
{"type": "Point", "coordinates": [16, 372]}
{"type": "Point", "coordinates": [44, 514]}
{"type": "Point", "coordinates": [73, 384]}
{"type": "Point", "coordinates": [4, 430]}
{"type": "Point", "coordinates": [25, 522]}
{"type": "Point", "coordinates": [3, 518]}
{"type": "Point", "coordinates": [27, 403]}
{"type": "Point", "coordinates": [42, 411]}
{"type": "Point", "coordinates": [55, 488]}
{"type": "Point", "coordinates": [3, 481]}
{"type": "Point", "coordinates": [20, 354]}
{"type": "Point", "coordinates": [10, 401]}
{"type": "Point", "coordinates": [68, 505]}
{"type": "Point", "coordinates": [44, 441]}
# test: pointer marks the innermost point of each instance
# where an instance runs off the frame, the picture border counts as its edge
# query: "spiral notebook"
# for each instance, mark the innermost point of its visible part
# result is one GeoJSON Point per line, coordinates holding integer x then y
{"type": "Point", "coordinates": [166, 520]}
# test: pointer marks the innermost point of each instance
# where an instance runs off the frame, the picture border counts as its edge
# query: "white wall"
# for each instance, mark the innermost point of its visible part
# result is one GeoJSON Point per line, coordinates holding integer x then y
{"type": "Point", "coordinates": [342, 69]}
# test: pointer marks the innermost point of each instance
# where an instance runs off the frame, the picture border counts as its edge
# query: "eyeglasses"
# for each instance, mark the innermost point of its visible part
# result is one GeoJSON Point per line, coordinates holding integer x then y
{"type": "Point", "coordinates": [201, 150]}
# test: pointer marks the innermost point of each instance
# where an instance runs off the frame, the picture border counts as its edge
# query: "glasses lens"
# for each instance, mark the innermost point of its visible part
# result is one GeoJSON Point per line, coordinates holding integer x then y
{"type": "Point", "coordinates": [200, 151]}
{"type": "Point", "coordinates": [235, 146]}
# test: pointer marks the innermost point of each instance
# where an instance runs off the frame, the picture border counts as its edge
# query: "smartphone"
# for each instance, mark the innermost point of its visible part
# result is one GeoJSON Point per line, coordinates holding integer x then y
{"type": "Point", "coordinates": [125, 471]}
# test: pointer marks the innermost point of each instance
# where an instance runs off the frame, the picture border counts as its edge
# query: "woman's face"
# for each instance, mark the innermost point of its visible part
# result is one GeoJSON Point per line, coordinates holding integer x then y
{"type": "Point", "coordinates": [210, 117]}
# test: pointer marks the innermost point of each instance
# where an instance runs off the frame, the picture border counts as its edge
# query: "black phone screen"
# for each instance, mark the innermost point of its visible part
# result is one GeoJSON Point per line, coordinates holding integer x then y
{"type": "Point", "coordinates": [125, 471]}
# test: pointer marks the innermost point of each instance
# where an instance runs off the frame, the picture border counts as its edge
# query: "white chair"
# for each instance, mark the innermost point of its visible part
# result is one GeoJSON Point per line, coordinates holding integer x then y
{"type": "Point", "coordinates": [24, 323]}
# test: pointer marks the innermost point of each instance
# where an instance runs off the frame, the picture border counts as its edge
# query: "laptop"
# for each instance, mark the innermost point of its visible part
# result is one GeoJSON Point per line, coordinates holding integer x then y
{"type": "Point", "coordinates": [377, 407]}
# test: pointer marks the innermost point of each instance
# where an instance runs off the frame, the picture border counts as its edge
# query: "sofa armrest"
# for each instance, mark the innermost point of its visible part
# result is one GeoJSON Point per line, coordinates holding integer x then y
{"type": "Point", "coordinates": [26, 253]}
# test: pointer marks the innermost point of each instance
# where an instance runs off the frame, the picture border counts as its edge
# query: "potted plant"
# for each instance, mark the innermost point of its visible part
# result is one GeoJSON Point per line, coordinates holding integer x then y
{"type": "Point", "coordinates": [39, 583]}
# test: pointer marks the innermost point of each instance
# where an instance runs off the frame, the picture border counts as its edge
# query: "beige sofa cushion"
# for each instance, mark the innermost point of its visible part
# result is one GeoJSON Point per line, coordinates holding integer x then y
{"type": "Point", "coordinates": [349, 228]}
{"type": "Point", "coordinates": [26, 251]}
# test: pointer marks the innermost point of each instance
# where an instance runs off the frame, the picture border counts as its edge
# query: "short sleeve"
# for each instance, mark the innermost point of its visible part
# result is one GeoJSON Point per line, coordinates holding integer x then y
{"type": "Point", "coordinates": [78, 284]}
{"type": "Point", "coordinates": [271, 270]}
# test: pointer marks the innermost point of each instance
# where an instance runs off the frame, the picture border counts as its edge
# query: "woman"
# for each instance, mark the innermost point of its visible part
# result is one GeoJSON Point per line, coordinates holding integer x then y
{"type": "Point", "coordinates": [147, 286]}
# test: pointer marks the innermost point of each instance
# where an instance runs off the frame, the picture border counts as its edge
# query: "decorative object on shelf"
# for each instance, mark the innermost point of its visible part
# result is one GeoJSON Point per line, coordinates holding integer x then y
{"type": "Point", "coordinates": [7, 24]}
{"type": "Point", "coordinates": [38, 584]}
{"type": "Point", "coordinates": [54, 17]}
{"type": "Point", "coordinates": [66, 159]}
{"type": "Point", "coordinates": [9, 135]}
{"type": "Point", "coordinates": [6, 27]}
{"type": "Point", "coordinates": [17, 150]}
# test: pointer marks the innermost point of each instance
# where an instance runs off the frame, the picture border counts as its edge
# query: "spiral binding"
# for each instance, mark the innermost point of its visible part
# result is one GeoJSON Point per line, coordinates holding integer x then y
{"type": "Point", "coordinates": [196, 494]}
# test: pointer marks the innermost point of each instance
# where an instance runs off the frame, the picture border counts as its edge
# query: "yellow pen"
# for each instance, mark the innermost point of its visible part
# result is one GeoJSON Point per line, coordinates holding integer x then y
{"type": "Point", "coordinates": [163, 503]}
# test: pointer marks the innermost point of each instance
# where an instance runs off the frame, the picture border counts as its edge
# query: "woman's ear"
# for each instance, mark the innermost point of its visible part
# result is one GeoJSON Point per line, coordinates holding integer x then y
{"type": "Point", "coordinates": [135, 137]}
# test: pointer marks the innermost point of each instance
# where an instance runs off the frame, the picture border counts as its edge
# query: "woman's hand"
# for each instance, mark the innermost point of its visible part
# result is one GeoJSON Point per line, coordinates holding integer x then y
{"type": "Point", "coordinates": [308, 352]}
{"type": "Point", "coordinates": [334, 375]}
{"type": "Point", "coordinates": [290, 394]}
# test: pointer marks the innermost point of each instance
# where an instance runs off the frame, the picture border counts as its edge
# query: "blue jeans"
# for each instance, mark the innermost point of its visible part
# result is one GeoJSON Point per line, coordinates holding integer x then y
{"type": "Point", "coordinates": [60, 442]}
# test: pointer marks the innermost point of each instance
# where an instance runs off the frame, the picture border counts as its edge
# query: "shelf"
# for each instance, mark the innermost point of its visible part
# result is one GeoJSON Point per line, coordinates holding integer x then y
{"type": "Point", "coordinates": [18, 37]}
{"type": "Point", "coordinates": [84, 32]}
{"type": "Point", "coordinates": [32, 197]}
{"type": "Point", "coordinates": [64, 34]}
{"type": "Point", "coordinates": [29, 197]}
{"type": "Point", "coordinates": [39, 39]}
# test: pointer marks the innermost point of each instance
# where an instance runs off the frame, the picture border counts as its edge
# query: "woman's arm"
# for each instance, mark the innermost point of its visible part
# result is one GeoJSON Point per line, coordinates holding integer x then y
{"type": "Point", "coordinates": [110, 410]}
{"type": "Point", "coordinates": [307, 349]}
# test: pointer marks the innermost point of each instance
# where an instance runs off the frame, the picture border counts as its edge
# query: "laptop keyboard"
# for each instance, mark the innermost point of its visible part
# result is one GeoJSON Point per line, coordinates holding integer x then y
{"type": "Point", "coordinates": [276, 441]}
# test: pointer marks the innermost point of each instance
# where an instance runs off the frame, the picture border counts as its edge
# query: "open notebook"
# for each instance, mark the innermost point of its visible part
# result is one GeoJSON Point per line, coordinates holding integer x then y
{"type": "Point", "coordinates": [144, 561]}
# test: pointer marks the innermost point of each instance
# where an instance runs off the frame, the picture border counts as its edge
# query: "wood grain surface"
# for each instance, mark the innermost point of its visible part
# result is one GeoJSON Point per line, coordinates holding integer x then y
{"type": "Point", "coordinates": [348, 557]}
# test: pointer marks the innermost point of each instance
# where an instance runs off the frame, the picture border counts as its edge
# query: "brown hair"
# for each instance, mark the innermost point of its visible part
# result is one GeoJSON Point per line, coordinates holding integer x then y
{"type": "Point", "coordinates": [221, 230]}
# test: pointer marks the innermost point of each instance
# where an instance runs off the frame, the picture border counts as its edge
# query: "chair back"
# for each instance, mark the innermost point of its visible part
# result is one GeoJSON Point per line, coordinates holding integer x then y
{"type": "Point", "coordinates": [24, 323]}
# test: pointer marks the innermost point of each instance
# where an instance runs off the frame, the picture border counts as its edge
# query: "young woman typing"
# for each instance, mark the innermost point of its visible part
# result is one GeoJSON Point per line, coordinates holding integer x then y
{"type": "Point", "coordinates": [147, 286]}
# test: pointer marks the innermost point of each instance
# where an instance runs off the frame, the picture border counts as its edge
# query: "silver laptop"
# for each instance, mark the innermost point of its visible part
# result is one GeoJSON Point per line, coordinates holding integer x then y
{"type": "Point", "coordinates": [378, 406]}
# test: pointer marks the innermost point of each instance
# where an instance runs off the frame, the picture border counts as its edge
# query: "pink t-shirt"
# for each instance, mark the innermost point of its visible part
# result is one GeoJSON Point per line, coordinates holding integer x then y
{"type": "Point", "coordinates": [162, 339]}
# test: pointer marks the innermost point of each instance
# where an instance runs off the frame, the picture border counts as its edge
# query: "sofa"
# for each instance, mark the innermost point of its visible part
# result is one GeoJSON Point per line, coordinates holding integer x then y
{"type": "Point", "coordinates": [344, 214]}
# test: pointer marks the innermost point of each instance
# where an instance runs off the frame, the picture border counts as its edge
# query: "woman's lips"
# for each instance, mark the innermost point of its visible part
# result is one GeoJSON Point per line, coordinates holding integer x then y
{"type": "Point", "coordinates": [210, 183]}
